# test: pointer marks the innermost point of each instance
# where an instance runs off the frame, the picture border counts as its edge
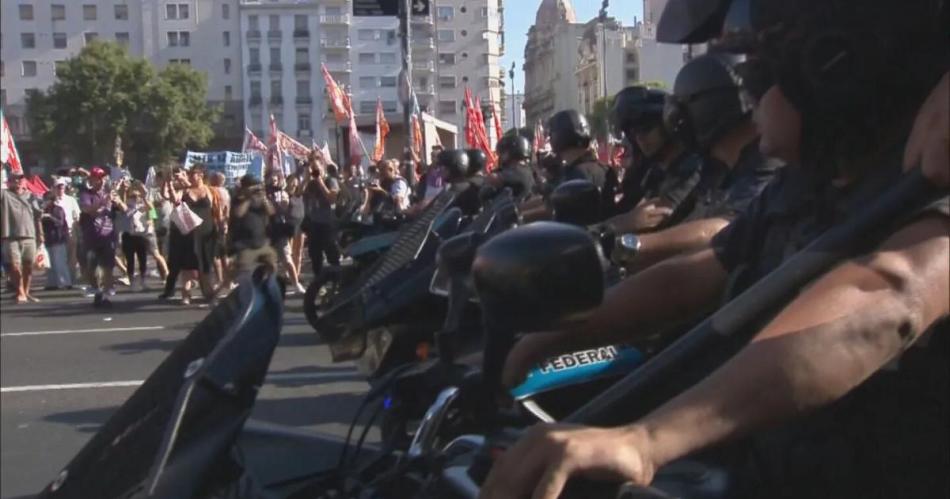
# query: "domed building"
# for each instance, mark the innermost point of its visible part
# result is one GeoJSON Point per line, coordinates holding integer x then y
{"type": "Point", "coordinates": [549, 57]}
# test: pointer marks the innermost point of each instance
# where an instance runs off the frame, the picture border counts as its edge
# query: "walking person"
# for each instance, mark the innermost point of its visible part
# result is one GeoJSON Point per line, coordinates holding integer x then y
{"type": "Point", "coordinates": [223, 200]}
{"type": "Point", "coordinates": [62, 191]}
{"type": "Point", "coordinates": [296, 215]}
{"type": "Point", "coordinates": [138, 236]}
{"type": "Point", "coordinates": [56, 236]}
{"type": "Point", "coordinates": [320, 194]}
{"type": "Point", "coordinates": [282, 230]}
{"type": "Point", "coordinates": [249, 245]}
{"type": "Point", "coordinates": [97, 222]}
{"type": "Point", "coordinates": [199, 261]}
{"type": "Point", "coordinates": [20, 233]}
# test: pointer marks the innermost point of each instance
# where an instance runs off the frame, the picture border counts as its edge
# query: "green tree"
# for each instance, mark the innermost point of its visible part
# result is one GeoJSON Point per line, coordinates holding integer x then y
{"type": "Point", "coordinates": [104, 93]}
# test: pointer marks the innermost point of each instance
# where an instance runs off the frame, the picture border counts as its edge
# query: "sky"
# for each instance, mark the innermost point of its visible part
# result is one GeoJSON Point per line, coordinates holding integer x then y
{"type": "Point", "coordinates": [519, 16]}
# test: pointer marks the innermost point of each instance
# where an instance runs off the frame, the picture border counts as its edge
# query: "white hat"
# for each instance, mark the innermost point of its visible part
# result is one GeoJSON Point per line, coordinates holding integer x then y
{"type": "Point", "coordinates": [61, 181]}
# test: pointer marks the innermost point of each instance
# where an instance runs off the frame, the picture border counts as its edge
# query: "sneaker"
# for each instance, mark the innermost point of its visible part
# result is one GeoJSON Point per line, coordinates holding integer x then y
{"type": "Point", "coordinates": [89, 291]}
{"type": "Point", "coordinates": [124, 281]}
{"type": "Point", "coordinates": [111, 291]}
{"type": "Point", "coordinates": [186, 300]}
{"type": "Point", "coordinates": [154, 273]}
{"type": "Point", "coordinates": [301, 289]}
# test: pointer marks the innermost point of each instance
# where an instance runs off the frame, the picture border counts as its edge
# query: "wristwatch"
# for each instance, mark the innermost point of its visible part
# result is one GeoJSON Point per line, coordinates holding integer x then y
{"type": "Point", "coordinates": [626, 247]}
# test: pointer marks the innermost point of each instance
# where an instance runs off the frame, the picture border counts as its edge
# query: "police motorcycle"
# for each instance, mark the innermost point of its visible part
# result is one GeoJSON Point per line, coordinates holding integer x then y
{"type": "Point", "coordinates": [185, 432]}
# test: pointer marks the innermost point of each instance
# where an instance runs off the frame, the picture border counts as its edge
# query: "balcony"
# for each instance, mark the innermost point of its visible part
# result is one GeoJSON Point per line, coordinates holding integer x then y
{"type": "Point", "coordinates": [254, 67]}
{"type": "Point", "coordinates": [425, 89]}
{"type": "Point", "coordinates": [276, 99]}
{"type": "Point", "coordinates": [302, 67]}
{"type": "Point", "coordinates": [301, 34]}
{"type": "Point", "coordinates": [339, 67]}
{"type": "Point", "coordinates": [254, 100]}
{"type": "Point", "coordinates": [427, 66]}
{"type": "Point", "coordinates": [335, 43]}
{"type": "Point", "coordinates": [304, 99]}
{"type": "Point", "coordinates": [275, 67]}
{"type": "Point", "coordinates": [423, 43]}
{"type": "Point", "coordinates": [253, 35]}
{"type": "Point", "coordinates": [274, 35]}
{"type": "Point", "coordinates": [423, 20]}
{"type": "Point", "coordinates": [335, 19]}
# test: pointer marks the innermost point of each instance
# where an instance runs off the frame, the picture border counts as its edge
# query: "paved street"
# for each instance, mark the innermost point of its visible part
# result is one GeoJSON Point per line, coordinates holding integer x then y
{"type": "Point", "coordinates": [67, 367]}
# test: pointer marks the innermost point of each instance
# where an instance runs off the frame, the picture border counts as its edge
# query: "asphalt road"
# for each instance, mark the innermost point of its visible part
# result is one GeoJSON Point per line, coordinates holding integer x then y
{"type": "Point", "coordinates": [67, 367]}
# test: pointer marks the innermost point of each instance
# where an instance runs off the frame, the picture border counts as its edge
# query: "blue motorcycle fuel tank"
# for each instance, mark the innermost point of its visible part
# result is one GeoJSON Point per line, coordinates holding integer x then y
{"type": "Point", "coordinates": [578, 367]}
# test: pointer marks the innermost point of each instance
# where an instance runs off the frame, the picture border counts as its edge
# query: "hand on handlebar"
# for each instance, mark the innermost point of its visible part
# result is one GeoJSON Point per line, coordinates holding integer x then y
{"type": "Point", "coordinates": [547, 456]}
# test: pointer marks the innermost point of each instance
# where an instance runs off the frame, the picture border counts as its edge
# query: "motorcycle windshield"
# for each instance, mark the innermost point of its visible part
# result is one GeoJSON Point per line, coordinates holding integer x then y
{"type": "Point", "coordinates": [576, 368]}
{"type": "Point", "coordinates": [177, 428]}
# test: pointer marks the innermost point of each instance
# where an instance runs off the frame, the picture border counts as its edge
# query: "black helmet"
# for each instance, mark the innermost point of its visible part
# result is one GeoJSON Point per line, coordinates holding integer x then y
{"type": "Point", "coordinates": [477, 160]}
{"type": "Point", "coordinates": [707, 100]}
{"type": "Point", "coordinates": [691, 21]}
{"type": "Point", "coordinates": [636, 107]}
{"type": "Point", "coordinates": [513, 148]}
{"type": "Point", "coordinates": [569, 130]}
{"type": "Point", "coordinates": [455, 162]}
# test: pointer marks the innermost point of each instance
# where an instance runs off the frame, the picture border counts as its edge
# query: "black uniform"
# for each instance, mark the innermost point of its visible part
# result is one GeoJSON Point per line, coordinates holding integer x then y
{"type": "Point", "coordinates": [676, 187]}
{"type": "Point", "coordinates": [725, 192]}
{"type": "Point", "coordinates": [518, 178]}
{"type": "Point", "coordinates": [888, 438]}
{"type": "Point", "coordinates": [588, 168]}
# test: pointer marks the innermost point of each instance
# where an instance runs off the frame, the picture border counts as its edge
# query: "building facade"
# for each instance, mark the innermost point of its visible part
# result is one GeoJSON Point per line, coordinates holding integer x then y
{"type": "Point", "coordinates": [38, 34]}
{"type": "Point", "coordinates": [550, 56]}
{"type": "Point", "coordinates": [610, 52]}
{"type": "Point", "coordinates": [515, 105]}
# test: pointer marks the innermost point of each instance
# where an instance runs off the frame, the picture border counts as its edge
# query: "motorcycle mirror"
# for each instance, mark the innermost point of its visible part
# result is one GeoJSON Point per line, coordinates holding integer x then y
{"type": "Point", "coordinates": [576, 202]}
{"type": "Point", "coordinates": [534, 277]}
{"type": "Point", "coordinates": [691, 21]}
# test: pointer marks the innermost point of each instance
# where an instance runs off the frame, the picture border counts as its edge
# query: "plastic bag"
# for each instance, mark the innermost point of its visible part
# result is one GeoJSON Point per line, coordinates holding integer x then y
{"type": "Point", "coordinates": [185, 219]}
{"type": "Point", "coordinates": [42, 258]}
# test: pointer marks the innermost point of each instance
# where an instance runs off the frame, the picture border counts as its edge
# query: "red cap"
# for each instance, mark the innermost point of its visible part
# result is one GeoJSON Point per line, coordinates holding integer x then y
{"type": "Point", "coordinates": [97, 172]}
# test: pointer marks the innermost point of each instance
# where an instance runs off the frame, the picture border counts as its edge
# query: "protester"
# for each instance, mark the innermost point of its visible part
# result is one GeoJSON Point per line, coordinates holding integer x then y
{"type": "Point", "coordinates": [249, 245]}
{"type": "Point", "coordinates": [97, 221]}
{"type": "Point", "coordinates": [282, 229]}
{"type": "Point", "coordinates": [62, 190]}
{"type": "Point", "coordinates": [433, 180]}
{"type": "Point", "coordinates": [138, 236]}
{"type": "Point", "coordinates": [296, 214]}
{"type": "Point", "coordinates": [390, 193]}
{"type": "Point", "coordinates": [20, 232]}
{"type": "Point", "coordinates": [199, 262]}
{"type": "Point", "coordinates": [223, 200]}
{"type": "Point", "coordinates": [56, 235]}
{"type": "Point", "coordinates": [320, 195]}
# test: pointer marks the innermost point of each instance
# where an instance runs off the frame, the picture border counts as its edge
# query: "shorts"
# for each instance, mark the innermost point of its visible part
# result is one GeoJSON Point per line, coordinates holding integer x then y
{"type": "Point", "coordinates": [151, 242]}
{"type": "Point", "coordinates": [284, 252]}
{"type": "Point", "coordinates": [249, 259]}
{"type": "Point", "coordinates": [99, 254]}
{"type": "Point", "coordinates": [19, 251]}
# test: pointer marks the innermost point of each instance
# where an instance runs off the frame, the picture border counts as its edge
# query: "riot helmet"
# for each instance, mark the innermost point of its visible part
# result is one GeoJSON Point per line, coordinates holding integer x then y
{"type": "Point", "coordinates": [569, 129]}
{"type": "Point", "coordinates": [707, 100]}
{"type": "Point", "coordinates": [477, 161]}
{"type": "Point", "coordinates": [636, 108]}
{"type": "Point", "coordinates": [456, 164]}
{"type": "Point", "coordinates": [513, 148]}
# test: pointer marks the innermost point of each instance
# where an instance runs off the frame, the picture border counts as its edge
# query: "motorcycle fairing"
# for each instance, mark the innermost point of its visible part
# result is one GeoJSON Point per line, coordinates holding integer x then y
{"type": "Point", "coordinates": [578, 367]}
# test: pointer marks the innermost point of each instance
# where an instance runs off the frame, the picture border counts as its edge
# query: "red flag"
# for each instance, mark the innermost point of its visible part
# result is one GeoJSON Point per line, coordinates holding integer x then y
{"type": "Point", "coordinates": [382, 131]}
{"type": "Point", "coordinates": [8, 153]}
{"type": "Point", "coordinates": [35, 185]}
{"type": "Point", "coordinates": [541, 141]}
{"type": "Point", "coordinates": [339, 101]}
{"type": "Point", "coordinates": [470, 120]}
{"type": "Point", "coordinates": [296, 149]}
{"type": "Point", "coordinates": [356, 145]}
{"type": "Point", "coordinates": [252, 143]}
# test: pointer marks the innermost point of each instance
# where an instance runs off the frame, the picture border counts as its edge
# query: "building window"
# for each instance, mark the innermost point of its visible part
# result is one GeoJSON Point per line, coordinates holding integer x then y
{"type": "Point", "coordinates": [633, 75]}
{"type": "Point", "coordinates": [275, 88]}
{"type": "Point", "coordinates": [58, 12]}
{"type": "Point", "coordinates": [484, 11]}
{"type": "Point", "coordinates": [333, 57]}
{"type": "Point", "coordinates": [387, 58]}
{"type": "Point", "coordinates": [367, 82]}
{"type": "Point", "coordinates": [256, 90]}
{"type": "Point", "coordinates": [122, 38]}
{"type": "Point", "coordinates": [446, 35]}
{"type": "Point", "coordinates": [176, 11]}
{"type": "Point", "coordinates": [387, 81]}
{"type": "Point", "coordinates": [29, 68]}
{"type": "Point", "coordinates": [300, 22]}
{"type": "Point", "coordinates": [121, 12]}
{"type": "Point", "coordinates": [447, 82]}
{"type": "Point", "coordinates": [303, 88]}
{"type": "Point", "coordinates": [367, 58]}
{"type": "Point", "coordinates": [389, 106]}
{"type": "Point", "coordinates": [273, 23]}
{"type": "Point", "coordinates": [90, 37]}
{"type": "Point", "coordinates": [179, 39]}
{"type": "Point", "coordinates": [90, 12]}
{"type": "Point", "coordinates": [631, 57]}
{"type": "Point", "coordinates": [254, 55]}
{"type": "Point", "coordinates": [227, 66]}
{"type": "Point", "coordinates": [303, 122]}
{"type": "Point", "coordinates": [26, 12]}
{"type": "Point", "coordinates": [28, 40]}
{"type": "Point", "coordinates": [228, 92]}
{"type": "Point", "coordinates": [447, 59]}
{"type": "Point", "coordinates": [226, 38]}
{"type": "Point", "coordinates": [447, 107]}
{"type": "Point", "coordinates": [301, 55]}
{"type": "Point", "coordinates": [252, 22]}
{"type": "Point", "coordinates": [183, 62]}
{"type": "Point", "coordinates": [445, 13]}
{"type": "Point", "coordinates": [367, 106]}
{"type": "Point", "coordinates": [274, 55]}
{"type": "Point", "coordinates": [225, 11]}
{"type": "Point", "coordinates": [366, 35]}
{"type": "Point", "coordinates": [59, 40]}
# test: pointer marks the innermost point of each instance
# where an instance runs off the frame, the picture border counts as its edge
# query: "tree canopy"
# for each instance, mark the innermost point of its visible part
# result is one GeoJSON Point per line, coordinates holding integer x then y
{"type": "Point", "coordinates": [104, 93]}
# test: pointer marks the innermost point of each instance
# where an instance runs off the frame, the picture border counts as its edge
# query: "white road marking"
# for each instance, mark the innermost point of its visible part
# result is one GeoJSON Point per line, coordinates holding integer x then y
{"type": "Point", "coordinates": [116, 384]}
{"type": "Point", "coordinates": [84, 331]}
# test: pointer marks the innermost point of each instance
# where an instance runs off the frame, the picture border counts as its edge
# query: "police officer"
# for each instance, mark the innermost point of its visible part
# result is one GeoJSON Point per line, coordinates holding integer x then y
{"type": "Point", "coordinates": [571, 143]}
{"type": "Point", "coordinates": [514, 170]}
{"type": "Point", "coordinates": [712, 113]}
{"type": "Point", "coordinates": [637, 108]}
{"type": "Point", "coordinates": [846, 373]}
{"type": "Point", "coordinates": [457, 167]}
{"type": "Point", "coordinates": [673, 170]}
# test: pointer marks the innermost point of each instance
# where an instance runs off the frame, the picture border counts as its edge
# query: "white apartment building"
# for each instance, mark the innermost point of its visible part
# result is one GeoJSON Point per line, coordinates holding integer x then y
{"type": "Point", "coordinates": [37, 34]}
{"type": "Point", "coordinates": [516, 100]}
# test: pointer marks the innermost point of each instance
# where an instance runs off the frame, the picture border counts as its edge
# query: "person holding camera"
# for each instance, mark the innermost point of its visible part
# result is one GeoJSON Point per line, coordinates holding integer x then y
{"type": "Point", "coordinates": [248, 241]}
{"type": "Point", "coordinates": [320, 195]}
